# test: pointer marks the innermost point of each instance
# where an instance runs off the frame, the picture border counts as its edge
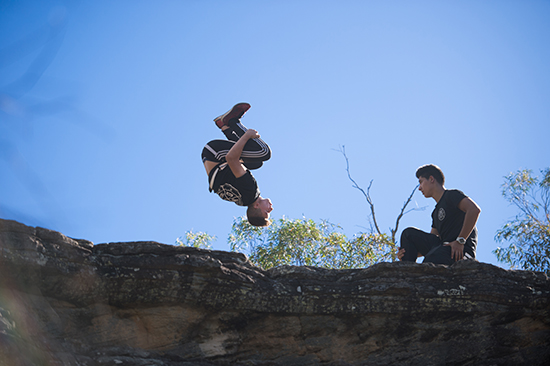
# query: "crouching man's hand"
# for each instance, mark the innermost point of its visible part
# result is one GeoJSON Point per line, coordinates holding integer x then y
{"type": "Point", "coordinates": [457, 250]}
{"type": "Point", "coordinates": [401, 253]}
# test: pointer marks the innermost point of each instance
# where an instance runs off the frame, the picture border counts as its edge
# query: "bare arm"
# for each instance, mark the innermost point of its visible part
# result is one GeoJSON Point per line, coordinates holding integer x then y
{"type": "Point", "coordinates": [233, 157]}
{"type": "Point", "coordinates": [472, 211]}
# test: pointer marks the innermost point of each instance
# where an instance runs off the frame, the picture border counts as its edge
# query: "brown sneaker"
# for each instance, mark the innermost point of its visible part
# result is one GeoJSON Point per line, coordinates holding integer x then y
{"type": "Point", "coordinates": [234, 113]}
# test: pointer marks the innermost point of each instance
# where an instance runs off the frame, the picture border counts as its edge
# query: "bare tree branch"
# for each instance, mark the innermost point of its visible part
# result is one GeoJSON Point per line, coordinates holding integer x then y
{"type": "Point", "coordinates": [402, 213]}
{"type": "Point", "coordinates": [365, 193]}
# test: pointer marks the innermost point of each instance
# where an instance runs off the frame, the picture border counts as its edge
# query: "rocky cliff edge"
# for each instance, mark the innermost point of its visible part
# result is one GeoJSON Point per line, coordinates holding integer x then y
{"type": "Point", "coordinates": [69, 302]}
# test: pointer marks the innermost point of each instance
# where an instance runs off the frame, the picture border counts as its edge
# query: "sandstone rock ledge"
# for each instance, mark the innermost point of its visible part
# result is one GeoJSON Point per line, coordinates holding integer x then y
{"type": "Point", "coordinates": [69, 302]}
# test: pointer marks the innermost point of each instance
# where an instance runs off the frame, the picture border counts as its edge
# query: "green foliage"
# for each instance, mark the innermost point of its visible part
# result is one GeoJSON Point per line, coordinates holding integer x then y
{"type": "Point", "coordinates": [197, 240]}
{"type": "Point", "coordinates": [528, 235]}
{"type": "Point", "coordinates": [303, 242]}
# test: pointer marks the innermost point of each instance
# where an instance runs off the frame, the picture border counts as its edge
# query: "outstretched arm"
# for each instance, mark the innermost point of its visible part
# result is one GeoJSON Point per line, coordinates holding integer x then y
{"type": "Point", "coordinates": [233, 157]}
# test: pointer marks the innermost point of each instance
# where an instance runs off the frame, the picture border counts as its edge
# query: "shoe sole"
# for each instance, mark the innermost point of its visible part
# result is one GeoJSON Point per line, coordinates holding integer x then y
{"type": "Point", "coordinates": [237, 111]}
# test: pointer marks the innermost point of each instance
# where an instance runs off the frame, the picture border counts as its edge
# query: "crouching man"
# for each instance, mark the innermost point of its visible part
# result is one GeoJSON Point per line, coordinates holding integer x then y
{"type": "Point", "coordinates": [453, 236]}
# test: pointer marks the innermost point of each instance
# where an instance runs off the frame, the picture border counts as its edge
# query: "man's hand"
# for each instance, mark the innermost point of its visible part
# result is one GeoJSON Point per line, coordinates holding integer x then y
{"type": "Point", "coordinates": [233, 157]}
{"type": "Point", "coordinates": [457, 250]}
{"type": "Point", "coordinates": [251, 134]}
{"type": "Point", "coordinates": [401, 254]}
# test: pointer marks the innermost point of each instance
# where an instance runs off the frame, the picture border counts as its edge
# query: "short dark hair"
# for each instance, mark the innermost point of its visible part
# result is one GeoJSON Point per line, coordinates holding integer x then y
{"type": "Point", "coordinates": [255, 217]}
{"type": "Point", "coordinates": [431, 170]}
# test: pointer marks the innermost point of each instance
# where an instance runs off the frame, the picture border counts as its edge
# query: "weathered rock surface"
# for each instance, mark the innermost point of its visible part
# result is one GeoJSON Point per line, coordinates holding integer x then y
{"type": "Point", "coordinates": [69, 302]}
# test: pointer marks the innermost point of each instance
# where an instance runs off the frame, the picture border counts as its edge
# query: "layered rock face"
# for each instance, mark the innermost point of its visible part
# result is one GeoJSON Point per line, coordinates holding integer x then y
{"type": "Point", "coordinates": [69, 302]}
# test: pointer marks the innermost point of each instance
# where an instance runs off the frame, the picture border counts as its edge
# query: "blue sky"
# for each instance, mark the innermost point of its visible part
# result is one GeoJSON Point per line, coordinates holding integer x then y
{"type": "Point", "coordinates": [106, 105]}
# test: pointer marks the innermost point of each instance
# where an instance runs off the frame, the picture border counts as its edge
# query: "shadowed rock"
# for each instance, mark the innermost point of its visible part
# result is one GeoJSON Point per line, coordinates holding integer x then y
{"type": "Point", "coordinates": [69, 302]}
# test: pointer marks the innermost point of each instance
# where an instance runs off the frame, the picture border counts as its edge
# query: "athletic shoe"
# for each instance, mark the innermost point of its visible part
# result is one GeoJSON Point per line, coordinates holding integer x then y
{"type": "Point", "coordinates": [234, 113]}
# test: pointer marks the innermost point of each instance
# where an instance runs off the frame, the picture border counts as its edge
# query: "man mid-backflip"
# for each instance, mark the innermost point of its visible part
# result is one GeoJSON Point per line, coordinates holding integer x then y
{"type": "Point", "coordinates": [228, 164]}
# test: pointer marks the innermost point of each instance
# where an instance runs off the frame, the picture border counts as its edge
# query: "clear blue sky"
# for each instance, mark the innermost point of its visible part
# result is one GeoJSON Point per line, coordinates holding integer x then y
{"type": "Point", "coordinates": [106, 105]}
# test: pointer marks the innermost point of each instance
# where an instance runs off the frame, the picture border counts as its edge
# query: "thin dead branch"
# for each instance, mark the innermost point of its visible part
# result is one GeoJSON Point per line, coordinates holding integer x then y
{"type": "Point", "coordinates": [366, 193]}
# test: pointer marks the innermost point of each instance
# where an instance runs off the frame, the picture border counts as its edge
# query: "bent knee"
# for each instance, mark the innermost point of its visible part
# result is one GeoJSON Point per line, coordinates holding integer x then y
{"type": "Point", "coordinates": [267, 155]}
{"type": "Point", "coordinates": [409, 231]}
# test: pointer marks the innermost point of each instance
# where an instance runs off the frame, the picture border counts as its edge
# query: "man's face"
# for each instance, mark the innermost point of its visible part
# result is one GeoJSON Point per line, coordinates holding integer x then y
{"type": "Point", "coordinates": [264, 204]}
{"type": "Point", "coordinates": [426, 186]}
